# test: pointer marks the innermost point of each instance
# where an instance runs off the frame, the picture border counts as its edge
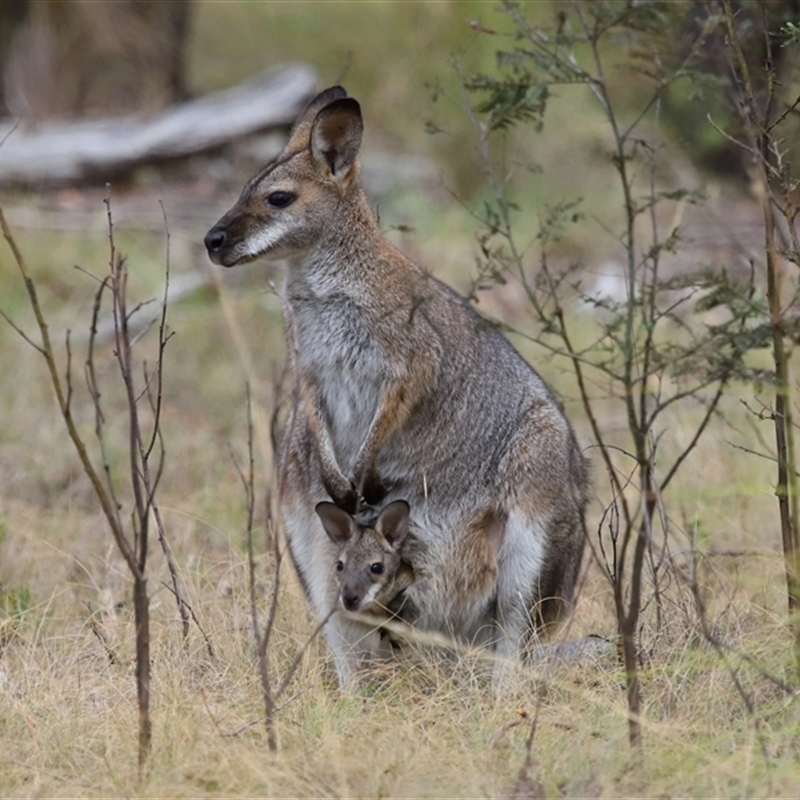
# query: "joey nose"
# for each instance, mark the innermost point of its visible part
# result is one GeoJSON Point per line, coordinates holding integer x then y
{"type": "Point", "coordinates": [349, 601]}
{"type": "Point", "coordinates": [215, 241]}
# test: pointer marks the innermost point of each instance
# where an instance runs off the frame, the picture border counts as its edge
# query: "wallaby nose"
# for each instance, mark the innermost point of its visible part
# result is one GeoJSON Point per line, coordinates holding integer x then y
{"type": "Point", "coordinates": [350, 601]}
{"type": "Point", "coordinates": [215, 240]}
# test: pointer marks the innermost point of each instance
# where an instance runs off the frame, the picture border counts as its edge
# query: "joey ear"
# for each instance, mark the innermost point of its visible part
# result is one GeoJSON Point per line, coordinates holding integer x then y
{"type": "Point", "coordinates": [336, 135]}
{"type": "Point", "coordinates": [392, 523]}
{"type": "Point", "coordinates": [337, 523]}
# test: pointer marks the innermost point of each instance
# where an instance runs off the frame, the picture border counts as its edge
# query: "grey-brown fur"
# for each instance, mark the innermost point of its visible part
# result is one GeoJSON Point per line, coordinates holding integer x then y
{"type": "Point", "coordinates": [404, 393]}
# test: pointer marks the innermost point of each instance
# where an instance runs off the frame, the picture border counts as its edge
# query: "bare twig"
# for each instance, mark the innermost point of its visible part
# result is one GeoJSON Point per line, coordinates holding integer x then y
{"type": "Point", "coordinates": [98, 632]}
{"type": "Point", "coordinates": [184, 605]}
{"type": "Point", "coordinates": [629, 353]}
{"type": "Point", "coordinates": [106, 500]}
{"type": "Point", "coordinates": [143, 483]}
{"type": "Point", "coordinates": [773, 180]}
{"type": "Point", "coordinates": [21, 332]}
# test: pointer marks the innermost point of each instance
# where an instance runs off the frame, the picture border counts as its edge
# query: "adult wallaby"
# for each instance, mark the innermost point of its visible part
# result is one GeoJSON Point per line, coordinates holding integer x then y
{"type": "Point", "coordinates": [405, 392]}
{"type": "Point", "coordinates": [370, 570]}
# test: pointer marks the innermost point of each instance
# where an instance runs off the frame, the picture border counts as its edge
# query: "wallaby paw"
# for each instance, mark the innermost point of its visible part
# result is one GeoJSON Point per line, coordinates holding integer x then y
{"type": "Point", "coordinates": [374, 489]}
{"type": "Point", "coordinates": [349, 501]}
{"type": "Point", "coordinates": [345, 496]}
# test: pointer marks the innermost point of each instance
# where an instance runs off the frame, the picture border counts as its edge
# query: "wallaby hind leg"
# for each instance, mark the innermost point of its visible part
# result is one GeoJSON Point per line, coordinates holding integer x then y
{"type": "Point", "coordinates": [537, 571]}
{"type": "Point", "coordinates": [520, 563]}
{"type": "Point", "coordinates": [556, 585]}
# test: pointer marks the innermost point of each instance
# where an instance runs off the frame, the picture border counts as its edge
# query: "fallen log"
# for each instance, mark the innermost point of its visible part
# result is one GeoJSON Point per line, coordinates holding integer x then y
{"type": "Point", "coordinates": [98, 150]}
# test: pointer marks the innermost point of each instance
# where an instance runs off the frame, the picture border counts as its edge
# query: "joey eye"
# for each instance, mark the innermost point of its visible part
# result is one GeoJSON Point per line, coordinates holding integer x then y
{"type": "Point", "coordinates": [376, 568]}
{"type": "Point", "coordinates": [339, 566]}
{"type": "Point", "coordinates": [280, 199]}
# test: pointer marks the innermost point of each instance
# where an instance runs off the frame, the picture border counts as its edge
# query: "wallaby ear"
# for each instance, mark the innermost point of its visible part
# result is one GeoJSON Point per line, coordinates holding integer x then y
{"type": "Point", "coordinates": [337, 522]}
{"type": "Point", "coordinates": [392, 523]}
{"type": "Point", "coordinates": [336, 135]}
{"type": "Point", "coordinates": [316, 104]}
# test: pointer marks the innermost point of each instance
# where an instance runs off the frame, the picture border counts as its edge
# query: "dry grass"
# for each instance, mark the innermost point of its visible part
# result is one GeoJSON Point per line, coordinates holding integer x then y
{"type": "Point", "coordinates": [421, 728]}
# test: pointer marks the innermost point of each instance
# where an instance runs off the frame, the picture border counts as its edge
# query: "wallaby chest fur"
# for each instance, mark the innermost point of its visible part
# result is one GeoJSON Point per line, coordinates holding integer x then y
{"type": "Point", "coordinates": [406, 394]}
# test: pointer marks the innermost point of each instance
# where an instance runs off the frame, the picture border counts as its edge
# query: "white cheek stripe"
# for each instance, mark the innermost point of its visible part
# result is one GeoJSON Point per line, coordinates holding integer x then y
{"type": "Point", "coordinates": [266, 238]}
{"type": "Point", "coordinates": [370, 595]}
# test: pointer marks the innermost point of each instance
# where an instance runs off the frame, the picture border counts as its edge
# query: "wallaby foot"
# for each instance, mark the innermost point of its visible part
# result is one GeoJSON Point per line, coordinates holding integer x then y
{"type": "Point", "coordinates": [374, 489]}
{"type": "Point", "coordinates": [346, 498]}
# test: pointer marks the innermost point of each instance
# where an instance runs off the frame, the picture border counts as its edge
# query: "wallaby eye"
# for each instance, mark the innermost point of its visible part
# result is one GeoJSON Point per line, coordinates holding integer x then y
{"type": "Point", "coordinates": [376, 568]}
{"type": "Point", "coordinates": [339, 566]}
{"type": "Point", "coordinates": [280, 199]}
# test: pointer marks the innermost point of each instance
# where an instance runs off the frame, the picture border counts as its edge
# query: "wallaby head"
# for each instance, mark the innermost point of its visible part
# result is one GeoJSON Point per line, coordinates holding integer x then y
{"type": "Point", "coordinates": [369, 568]}
{"type": "Point", "coordinates": [288, 207]}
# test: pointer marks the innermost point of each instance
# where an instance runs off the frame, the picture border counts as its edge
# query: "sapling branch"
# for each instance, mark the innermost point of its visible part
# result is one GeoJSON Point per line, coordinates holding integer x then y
{"type": "Point", "coordinates": [647, 368]}
{"type": "Point", "coordinates": [773, 180]}
{"type": "Point", "coordinates": [261, 636]}
{"type": "Point", "coordinates": [104, 498]}
{"type": "Point", "coordinates": [20, 332]}
{"type": "Point", "coordinates": [133, 549]}
{"type": "Point", "coordinates": [68, 370]}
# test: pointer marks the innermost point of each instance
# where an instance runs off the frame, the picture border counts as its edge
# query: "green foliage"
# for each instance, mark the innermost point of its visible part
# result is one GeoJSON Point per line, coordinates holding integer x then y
{"type": "Point", "coordinates": [763, 30]}
{"type": "Point", "coordinates": [657, 299]}
{"type": "Point", "coordinates": [791, 32]}
{"type": "Point", "coordinates": [13, 608]}
{"type": "Point", "coordinates": [674, 335]}
{"type": "Point", "coordinates": [510, 101]}
{"type": "Point", "coordinates": [15, 604]}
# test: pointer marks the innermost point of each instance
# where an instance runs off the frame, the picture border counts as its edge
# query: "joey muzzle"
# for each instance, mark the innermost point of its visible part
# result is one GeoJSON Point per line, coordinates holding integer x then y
{"type": "Point", "coordinates": [350, 601]}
